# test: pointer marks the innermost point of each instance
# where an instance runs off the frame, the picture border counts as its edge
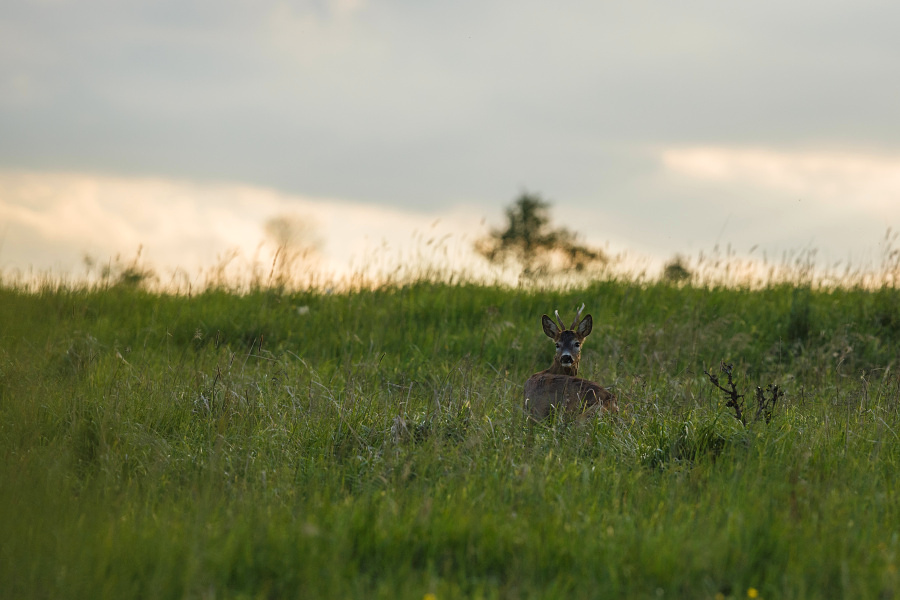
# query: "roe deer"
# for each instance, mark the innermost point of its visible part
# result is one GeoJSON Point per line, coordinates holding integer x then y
{"type": "Point", "coordinates": [559, 385]}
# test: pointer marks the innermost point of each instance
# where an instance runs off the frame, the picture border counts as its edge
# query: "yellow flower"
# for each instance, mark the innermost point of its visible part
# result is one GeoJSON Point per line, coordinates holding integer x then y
{"type": "Point", "coordinates": [752, 593]}
{"type": "Point", "coordinates": [429, 596]}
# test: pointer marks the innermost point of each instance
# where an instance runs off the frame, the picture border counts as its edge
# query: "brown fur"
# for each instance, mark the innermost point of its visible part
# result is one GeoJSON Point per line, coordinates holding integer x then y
{"type": "Point", "coordinates": [559, 386]}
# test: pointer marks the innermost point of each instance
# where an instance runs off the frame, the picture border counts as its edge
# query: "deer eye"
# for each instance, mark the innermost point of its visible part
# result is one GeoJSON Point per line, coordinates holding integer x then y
{"type": "Point", "coordinates": [578, 344]}
{"type": "Point", "coordinates": [557, 345]}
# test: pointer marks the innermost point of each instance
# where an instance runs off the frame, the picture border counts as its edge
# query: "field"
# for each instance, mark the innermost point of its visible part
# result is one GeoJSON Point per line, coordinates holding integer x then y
{"type": "Point", "coordinates": [370, 444]}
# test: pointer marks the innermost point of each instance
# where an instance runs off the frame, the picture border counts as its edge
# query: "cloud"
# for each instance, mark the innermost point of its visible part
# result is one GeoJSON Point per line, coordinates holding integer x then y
{"type": "Point", "coordinates": [405, 103]}
{"type": "Point", "coordinates": [844, 180]}
{"type": "Point", "coordinates": [52, 220]}
{"type": "Point", "coordinates": [413, 105]}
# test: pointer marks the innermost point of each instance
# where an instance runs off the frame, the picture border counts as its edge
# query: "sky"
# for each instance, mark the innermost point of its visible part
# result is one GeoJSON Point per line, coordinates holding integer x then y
{"type": "Point", "coordinates": [656, 128]}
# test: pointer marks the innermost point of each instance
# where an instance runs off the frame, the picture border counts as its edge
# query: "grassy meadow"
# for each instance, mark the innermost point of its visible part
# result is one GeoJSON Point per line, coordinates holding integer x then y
{"type": "Point", "coordinates": [370, 444]}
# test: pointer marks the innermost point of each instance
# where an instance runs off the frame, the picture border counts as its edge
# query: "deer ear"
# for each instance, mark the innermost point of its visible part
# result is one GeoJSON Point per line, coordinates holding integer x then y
{"type": "Point", "coordinates": [585, 326]}
{"type": "Point", "coordinates": [550, 327]}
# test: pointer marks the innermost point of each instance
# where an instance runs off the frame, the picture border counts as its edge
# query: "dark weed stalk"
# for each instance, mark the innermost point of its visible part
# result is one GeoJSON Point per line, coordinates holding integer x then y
{"type": "Point", "coordinates": [735, 400]}
{"type": "Point", "coordinates": [765, 405]}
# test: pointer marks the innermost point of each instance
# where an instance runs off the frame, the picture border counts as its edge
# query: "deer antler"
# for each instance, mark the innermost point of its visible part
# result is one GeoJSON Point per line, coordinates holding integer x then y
{"type": "Point", "coordinates": [577, 317]}
{"type": "Point", "coordinates": [559, 320]}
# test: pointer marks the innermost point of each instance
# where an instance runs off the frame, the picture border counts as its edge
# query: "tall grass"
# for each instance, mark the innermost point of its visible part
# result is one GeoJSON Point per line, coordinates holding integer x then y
{"type": "Point", "coordinates": [370, 443]}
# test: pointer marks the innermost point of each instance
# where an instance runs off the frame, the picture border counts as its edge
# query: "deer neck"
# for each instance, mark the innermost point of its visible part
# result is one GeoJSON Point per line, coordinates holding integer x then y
{"type": "Point", "coordinates": [558, 369]}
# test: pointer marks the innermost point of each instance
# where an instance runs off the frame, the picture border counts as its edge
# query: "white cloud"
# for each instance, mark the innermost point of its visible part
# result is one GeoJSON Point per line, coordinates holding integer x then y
{"type": "Point", "coordinates": [859, 181]}
{"type": "Point", "coordinates": [313, 37]}
{"type": "Point", "coordinates": [51, 220]}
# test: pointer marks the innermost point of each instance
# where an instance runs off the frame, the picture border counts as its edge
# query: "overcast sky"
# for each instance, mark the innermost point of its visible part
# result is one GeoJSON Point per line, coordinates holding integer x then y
{"type": "Point", "coordinates": [655, 127]}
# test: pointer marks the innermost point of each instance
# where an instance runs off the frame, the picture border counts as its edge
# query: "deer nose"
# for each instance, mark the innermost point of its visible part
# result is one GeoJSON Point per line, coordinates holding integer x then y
{"type": "Point", "coordinates": [566, 359]}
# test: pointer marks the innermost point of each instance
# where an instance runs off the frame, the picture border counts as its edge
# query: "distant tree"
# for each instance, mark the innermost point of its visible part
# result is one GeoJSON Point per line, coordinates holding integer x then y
{"type": "Point", "coordinates": [533, 243]}
{"type": "Point", "coordinates": [676, 270]}
{"type": "Point", "coordinates": [119, 274]}
{"type": "Point", "coordinates": [295, 242]}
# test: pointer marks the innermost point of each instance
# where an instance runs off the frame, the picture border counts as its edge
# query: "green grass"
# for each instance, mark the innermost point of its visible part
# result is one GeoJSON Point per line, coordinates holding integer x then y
{"type": "Point", "coordinates": [239, 446]}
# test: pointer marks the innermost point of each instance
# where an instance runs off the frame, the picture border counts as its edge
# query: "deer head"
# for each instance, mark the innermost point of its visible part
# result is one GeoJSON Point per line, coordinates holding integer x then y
{"type": "Point", "coordinates": [568, 341]}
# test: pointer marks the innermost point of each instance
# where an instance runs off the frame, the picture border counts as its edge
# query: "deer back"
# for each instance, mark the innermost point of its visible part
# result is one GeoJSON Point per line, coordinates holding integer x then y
{"type": "Point", "coordinates": [545, 391]}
